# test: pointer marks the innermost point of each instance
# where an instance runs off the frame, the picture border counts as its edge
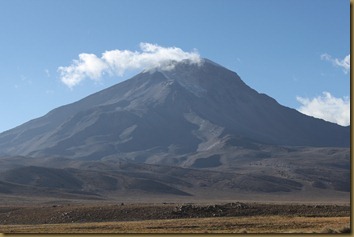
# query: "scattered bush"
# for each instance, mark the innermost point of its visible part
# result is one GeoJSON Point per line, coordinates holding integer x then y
{"type": "Point", "coordinates": [345, 230]}
{"type": "Point", "coordinates": [332, 231]}
{"type": "Point", "coordinates": [328, 231]}
{"type": "Point", "coordinates": [243, 231]}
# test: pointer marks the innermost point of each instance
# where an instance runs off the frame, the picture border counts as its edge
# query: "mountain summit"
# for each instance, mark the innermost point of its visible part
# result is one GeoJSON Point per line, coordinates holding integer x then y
{"type": "Point", "coordinates": [187, 109]}
{"type": "Point", "coordinates": [182, 132]}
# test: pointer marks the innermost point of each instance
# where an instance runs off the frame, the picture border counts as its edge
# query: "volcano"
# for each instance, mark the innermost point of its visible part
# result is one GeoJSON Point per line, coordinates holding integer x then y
{"type": "Point", "coordinates": [191, 116]}
{"type": "Point", "coordinates": [188, 109]}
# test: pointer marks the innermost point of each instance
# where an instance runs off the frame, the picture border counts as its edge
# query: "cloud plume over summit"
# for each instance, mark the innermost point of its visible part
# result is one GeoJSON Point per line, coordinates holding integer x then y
{"type": "Point", "coordinates": [117, 62]}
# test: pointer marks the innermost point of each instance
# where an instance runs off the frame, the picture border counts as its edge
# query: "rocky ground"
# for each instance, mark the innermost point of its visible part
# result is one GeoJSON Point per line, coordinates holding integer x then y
{"type": "Point", "coordinates": [86, 213]}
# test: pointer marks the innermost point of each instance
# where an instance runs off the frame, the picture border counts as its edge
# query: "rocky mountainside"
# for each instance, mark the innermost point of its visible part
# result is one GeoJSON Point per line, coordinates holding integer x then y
{"type": "Point", "coordinates": [193, 131]}
{"type": "Point", "coordinates": [189, 109]}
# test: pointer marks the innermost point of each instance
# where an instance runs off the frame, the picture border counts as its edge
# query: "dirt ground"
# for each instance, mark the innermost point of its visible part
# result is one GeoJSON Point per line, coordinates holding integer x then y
{"type": "Point", "coordinates": [259, 224]}
{"type": "Point", "coordinates": [175, 218]}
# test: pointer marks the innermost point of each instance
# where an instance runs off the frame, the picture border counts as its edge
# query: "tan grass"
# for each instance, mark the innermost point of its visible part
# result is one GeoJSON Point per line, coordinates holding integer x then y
{"type": "Point", "coordinates": [256, 224]}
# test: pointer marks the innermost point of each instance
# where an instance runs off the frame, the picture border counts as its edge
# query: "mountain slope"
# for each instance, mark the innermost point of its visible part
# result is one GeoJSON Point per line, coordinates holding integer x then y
{"type": "Point", "coordinates": [294, 174]}
{"type": "Point", "coordinates": [183, 111]}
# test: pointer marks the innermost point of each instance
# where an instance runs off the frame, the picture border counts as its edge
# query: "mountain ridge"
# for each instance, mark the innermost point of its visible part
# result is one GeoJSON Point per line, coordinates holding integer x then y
{"type": "Point", "coordinates": [192, 132]}
{"type": "Point", "coordinates": [209, 91]}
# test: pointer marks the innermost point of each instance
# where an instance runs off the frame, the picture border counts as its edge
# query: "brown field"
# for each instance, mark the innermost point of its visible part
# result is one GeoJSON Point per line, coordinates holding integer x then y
{"type": "Point", "coordinates": [176, 218]}
{"type": "Point", "coordinates": [258, 224]}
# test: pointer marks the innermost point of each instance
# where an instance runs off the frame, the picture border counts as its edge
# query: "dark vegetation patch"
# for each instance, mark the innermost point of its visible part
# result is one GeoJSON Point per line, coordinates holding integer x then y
{"type": "Point", "coordinates": [43, 177]}
{"type": "Point", "coordinates": [342, 185]}
{"type": "Point", "coordinates": [155, 187]}
{"type": "Point", "coordinates": [69, 213]}
{"type": "Point", "coordinates": [281, 181]}
{"type": "Point", "coordinates": [242, 142]}
{"type": "Point", "coordinates": [209, 162]}
{"type": "Point", "coordinates": [324, 178]}
{"type": "Point", "coordinates": [5, 187]}
{"type": "Point", "coordinates": [319, 184]}
{"type": "Point", "coordinates": [264, 183]}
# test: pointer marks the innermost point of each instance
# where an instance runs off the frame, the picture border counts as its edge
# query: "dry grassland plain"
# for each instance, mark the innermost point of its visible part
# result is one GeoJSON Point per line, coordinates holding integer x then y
{"type": "Point", "coordinates": [269, 224]}
{"type": "Point", "coordinates": [177, 218]}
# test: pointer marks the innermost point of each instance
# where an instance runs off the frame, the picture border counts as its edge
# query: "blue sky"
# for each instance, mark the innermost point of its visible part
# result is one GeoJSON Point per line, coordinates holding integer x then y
{"type": "Point", "coordinates": [295, 51]}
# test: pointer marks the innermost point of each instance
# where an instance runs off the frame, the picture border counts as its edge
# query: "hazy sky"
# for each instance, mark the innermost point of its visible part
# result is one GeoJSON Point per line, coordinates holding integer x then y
{"type": "Point", "coordinates": [52, 52]}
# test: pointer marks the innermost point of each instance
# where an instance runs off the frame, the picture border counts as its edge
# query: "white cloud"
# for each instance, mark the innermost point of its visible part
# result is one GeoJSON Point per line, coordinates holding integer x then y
{"type": "Point", "coordinates": [327, 107]}
{"type": "Point", "coordinates": [117, 62]}
{"type": "Point", "coordinates": [88, 65]}
{"type": "Point", "coordinates": [344, 63]}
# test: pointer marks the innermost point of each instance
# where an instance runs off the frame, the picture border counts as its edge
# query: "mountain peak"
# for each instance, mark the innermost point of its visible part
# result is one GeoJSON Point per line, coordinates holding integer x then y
{"type": "Point", "coordinates": [177, 110]}
{"type": "Point", "coordinates": [168, 65]}
{"type": "Point", "coordinates": [185, 64]}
